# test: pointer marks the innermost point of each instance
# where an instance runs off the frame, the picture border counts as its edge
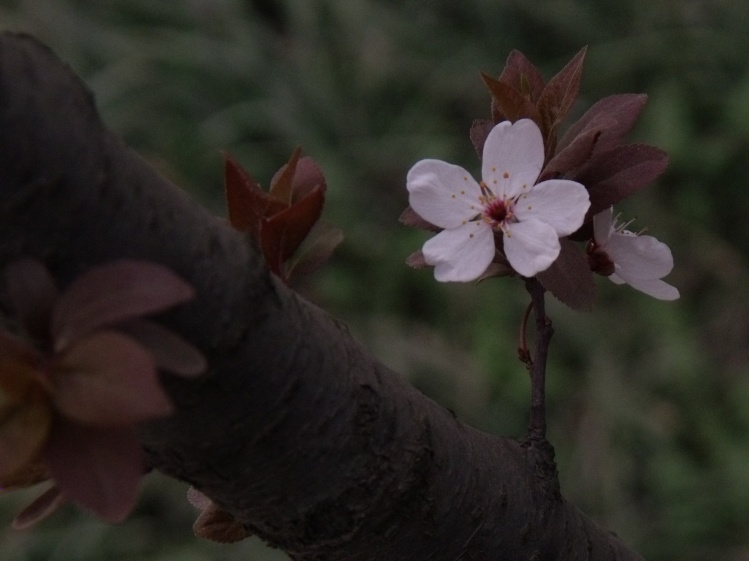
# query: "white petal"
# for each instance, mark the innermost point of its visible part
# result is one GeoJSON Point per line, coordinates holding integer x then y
{"type": "Point", "coordinates": [443, 194]}
{"type": "Point", "coordinates": [653, 287]}
{"type": "Point", "coordinates": [560, 203]}
{"type": "Point", "coordinates": [461, 254]}
{"type": "Point", "coordinates": [602, 225]}
{"type": "Point", "coordinates": [640, 257]}
{"type": "Point", "coordinates": [531, 247]}
{"type": "Point", "coordinates": [513, 156]}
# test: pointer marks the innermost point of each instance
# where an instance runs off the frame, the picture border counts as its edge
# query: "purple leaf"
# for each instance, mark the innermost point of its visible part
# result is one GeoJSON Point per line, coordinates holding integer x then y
{"type": "Point", "coordinates": [508, 103]}
{"type": "Point", "coordinates": [522, 75]}
{"type": "Point", "coordinates": [496, 270]}
{"type": "Point", "coordinates": [323, 240]}
{"type": "Point", "coordinates": [169, 351]}
{"type": "Point", "coordinates": [480, 129]}
{"type": "Point", "coordinates": [32, 292]}
{"type": "Point", "coordinates": [246, 202]}
{"type": "Point", "coordinates": [573, 156]}
{"type": "Point", "coordinates": [282, 184]}
{"type": "Point", "coordinates": [108, 379]}
{"type": "Point", "coordinates": [97, 469]}
{"type": "Point", "coordinates": [557, 98]}
{"type": "Point", "coordinates": [569, 278]}
{"type": "Point", "coordinates": [620, 113]}
{"type": "Point", "coordinates": [40, 508]}
{"type": "Point", "coordinates": [410, 217]}
{"type": "Point", "coordinates": [113, 293]}
{"type": "Point", "coordinates": [614, 175]}
{"type": "Point", "coordinates": [308, 175]}
{"type": "Point", "coordinates": [417, 261]}
{"type": "Point", "coordinates": [282, 234]}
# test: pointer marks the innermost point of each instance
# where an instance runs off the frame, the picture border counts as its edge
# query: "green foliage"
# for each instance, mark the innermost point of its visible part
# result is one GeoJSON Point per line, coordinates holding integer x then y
{"type": "Point", "coordinates": [647, 399]}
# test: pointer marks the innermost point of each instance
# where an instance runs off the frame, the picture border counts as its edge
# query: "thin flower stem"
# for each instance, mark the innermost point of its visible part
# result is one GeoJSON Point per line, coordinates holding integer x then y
{"type": "Point", "coordinates": [544, 331]}
{"type": "Point", "coordinates": [523, 353]}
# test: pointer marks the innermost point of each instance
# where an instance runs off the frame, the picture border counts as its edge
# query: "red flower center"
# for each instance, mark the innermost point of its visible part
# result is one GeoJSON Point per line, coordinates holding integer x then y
{"type": "Point", "coordinates": [497, 211]}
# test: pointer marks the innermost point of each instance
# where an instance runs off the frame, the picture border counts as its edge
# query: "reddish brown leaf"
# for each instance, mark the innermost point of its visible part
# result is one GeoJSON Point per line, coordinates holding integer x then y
{"type": "Point", "coordinates": [30, 474]}
{"type": "Point", "coordinates": [410, 217]}
{"type": "Point", "coordinates": [32, 292]}
{"type": "Point", "coordinates": [108, 379]}
{"type": "Point", "coordinates": [113, 293]}
{"type": "Point", "coordinates": [496, 270]}
{"type": "Point", "coordinates": [522, 75]}
{"type": "Point", "coordinates": [40, 508]}
{"type": "Point", "coordinates": [246, 202]}
{"type": "Point", "coordinates": [23, 431]}
{"type": "Point", "coordinates": [614, 175]}
{"type": "Point", "coordinates": [480, 129]}
{"type": "Point", "coordinates": [97, 469]}
{"type": "Point", "coordinates": [217, 525]}
{"type": "Point", "coordinates": [169, 351]}
{"type": "Point", "coordinates": [569, 278]}
{"type": "Point", "coordinates": [619, 112]}
{"type": "Point", "coordinates": [573, 156]}
{"type": "Point", "coordinates": [308, 176]}
{"type": "Point", "coordinates": [558, 97]}
{"type": "Point", "coordinates": [282, 233]}
{"type": "Point", "coordinates": [282, 184]}
{"type": "Point", "coordinates": [508, 103]}
{"type": "Point", "coordinates": [323, 239]}
{"type": "Point", "coordinates": [417, 261]}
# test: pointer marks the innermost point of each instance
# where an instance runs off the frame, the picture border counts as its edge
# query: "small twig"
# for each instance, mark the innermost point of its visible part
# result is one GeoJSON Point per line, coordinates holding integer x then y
{"type": "Point", "coordinates": [544, 331]}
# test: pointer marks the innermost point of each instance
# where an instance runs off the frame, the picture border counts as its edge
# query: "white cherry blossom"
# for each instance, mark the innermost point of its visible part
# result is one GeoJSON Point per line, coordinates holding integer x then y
{"type": "Point", "coordinates": [530, 216]}
{"type": "Point", "coordinates": [639, 261]}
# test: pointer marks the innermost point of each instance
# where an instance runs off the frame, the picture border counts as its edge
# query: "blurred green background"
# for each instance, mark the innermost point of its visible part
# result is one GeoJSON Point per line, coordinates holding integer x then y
{"type": "Point", "coordinates": [649, 400]}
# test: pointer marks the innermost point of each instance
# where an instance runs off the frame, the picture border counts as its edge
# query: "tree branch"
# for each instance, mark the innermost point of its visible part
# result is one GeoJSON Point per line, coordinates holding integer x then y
{"type": "Point", "coordinates": [295, 430]}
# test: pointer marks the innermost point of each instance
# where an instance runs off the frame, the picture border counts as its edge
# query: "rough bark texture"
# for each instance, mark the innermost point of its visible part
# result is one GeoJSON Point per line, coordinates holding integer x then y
{"type": "Point", "coordinates": [295, 430]}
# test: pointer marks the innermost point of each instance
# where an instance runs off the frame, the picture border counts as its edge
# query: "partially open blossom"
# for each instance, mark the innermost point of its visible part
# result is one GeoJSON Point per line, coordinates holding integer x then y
{"type": "Point", "coordinates": [626, 257]}
{"type": "Point", "coordinates": [530, 217]}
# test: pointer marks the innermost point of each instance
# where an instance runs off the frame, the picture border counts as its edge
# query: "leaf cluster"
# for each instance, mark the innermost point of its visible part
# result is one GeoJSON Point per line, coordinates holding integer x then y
{"type": "Point", "coordinates": [73, 388]}
{"type": "Point", "coordinates": [281, 219]}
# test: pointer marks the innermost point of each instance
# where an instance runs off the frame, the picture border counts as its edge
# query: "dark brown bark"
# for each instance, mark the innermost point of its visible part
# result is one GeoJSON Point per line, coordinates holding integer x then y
{"type": "Point", "coordinates": [296, 430]}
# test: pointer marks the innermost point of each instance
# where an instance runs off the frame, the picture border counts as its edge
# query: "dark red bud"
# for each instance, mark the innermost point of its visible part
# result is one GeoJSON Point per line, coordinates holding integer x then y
{"type": "Point", "coordinates": [599, 260]}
